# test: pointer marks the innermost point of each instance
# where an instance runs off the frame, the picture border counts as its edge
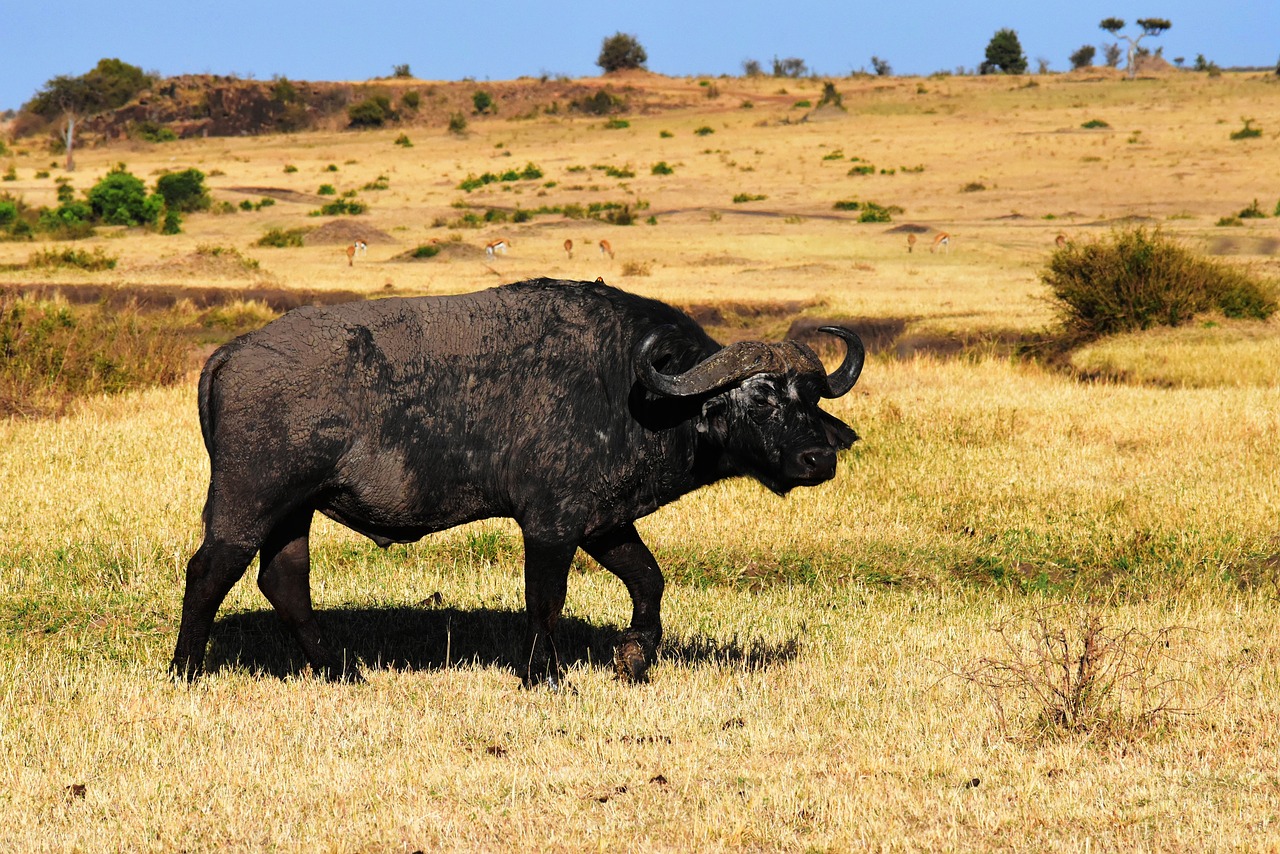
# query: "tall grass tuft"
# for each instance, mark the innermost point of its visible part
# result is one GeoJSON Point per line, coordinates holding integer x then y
{"type": "Point", "coordinates": [1136, 279]}
{"type": "Point", "coordinates": [51, 352]}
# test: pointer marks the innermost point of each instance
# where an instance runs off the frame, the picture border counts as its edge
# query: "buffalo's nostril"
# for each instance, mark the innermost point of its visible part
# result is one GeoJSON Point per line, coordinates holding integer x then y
{"type": "Point", "coordinates": [818, 459]}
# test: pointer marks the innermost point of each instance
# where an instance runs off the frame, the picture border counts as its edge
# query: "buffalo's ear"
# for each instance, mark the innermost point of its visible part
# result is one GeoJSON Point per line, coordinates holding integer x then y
{"type": "Point", "coordinates": [839, 434]}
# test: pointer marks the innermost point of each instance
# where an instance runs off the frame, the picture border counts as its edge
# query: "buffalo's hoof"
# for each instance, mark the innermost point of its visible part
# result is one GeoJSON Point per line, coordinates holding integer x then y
{"type": "Point", "coordinates": [185, 671]}
{"type": "Point", "coordinates": [630, 662]}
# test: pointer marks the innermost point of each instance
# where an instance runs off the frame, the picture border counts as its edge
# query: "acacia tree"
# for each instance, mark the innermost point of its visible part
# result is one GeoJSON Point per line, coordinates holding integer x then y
{"type": "Point", "coordinates": [1004, 53]}
{"type": "Point", "coordinates": [108, 85]}
{"type": "Point", "coordinates": [621, 51]}
{"type": "Point", "coordinates": [1150, 27]}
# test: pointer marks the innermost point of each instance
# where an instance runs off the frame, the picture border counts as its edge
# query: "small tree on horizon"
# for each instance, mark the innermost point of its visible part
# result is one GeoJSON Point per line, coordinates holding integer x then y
{"type": "Point", "coordinates": [1150, 27]}
{"type": "Point", "coordinates": [620, 52]}
{"type": "Point", "coordinates": [1004, 53]}
{"type": "Point", "coordinates": [881, 67]}
{"type": "Point", "coordinates": [1083, 57]}
{"type": "Point", "coordinates": [1111, 55]}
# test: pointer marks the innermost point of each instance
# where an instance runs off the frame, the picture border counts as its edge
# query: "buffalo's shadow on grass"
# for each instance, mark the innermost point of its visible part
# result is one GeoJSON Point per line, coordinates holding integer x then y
{"type": "Point", "coordinates": [436, 638]}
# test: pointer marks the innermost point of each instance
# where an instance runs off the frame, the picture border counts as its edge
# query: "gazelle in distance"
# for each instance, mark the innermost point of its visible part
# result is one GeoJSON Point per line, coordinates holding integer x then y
{"type": "Point", "coordinates": [1061, 240]}
{"type": "Point", "coordinates": [943, 241]}
{"type": "Point", "coordinates": [568, 248]}
{"type": "Point", "coordinates": [497, 247]}
{"type": "Point", "coordinates": [911, 242]}
{"type": "Point", "coordinates": [606, 248]}
{"type": "Point", "coordinates": [359, 247]}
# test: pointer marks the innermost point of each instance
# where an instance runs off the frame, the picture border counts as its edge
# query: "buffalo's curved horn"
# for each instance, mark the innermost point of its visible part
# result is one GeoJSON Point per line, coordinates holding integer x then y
{"type": "Point", "coordinates": [842, 378]}
{"type": "Point", "coordinates": [726, 366]}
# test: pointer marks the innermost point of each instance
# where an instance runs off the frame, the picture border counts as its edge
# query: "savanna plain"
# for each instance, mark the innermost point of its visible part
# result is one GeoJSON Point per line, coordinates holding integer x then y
{"type": "Point", "coordinates": [1035, 610]}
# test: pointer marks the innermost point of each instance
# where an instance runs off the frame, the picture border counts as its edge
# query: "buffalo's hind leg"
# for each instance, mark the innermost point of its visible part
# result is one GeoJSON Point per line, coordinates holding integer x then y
{"type": "Point", "coordinates": [211, 573]}
{"type": "Point", "coordinates": [623, 553]}
{"type": "Point", "coordinates": [285, 579]}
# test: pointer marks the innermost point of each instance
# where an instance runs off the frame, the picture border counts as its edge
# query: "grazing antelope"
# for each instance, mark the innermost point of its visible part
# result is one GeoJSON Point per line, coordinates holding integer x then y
{"type": "Point", "coordinates": [1060, 240]}
{"type": "Point", "coordinates": [497, 247]}
{"type": "Point", "coordinates": [568, 248]}
{"type": "Point", "coordinates": [357, 248]}
{"type": "Point", "coordinates": [911, 242]}
{"type": "Point", "coordinates": [943, 241]}
{"type": "Point", "coordinates": [606, 249]}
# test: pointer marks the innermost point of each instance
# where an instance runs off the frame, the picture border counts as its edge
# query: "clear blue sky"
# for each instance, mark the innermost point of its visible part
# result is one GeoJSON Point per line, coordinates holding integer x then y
{"type": "Point", "coordinates": [325, 40]}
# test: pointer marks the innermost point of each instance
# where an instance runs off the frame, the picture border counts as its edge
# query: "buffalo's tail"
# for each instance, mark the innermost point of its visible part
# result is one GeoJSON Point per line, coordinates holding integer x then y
{"type": "Point", "coordinates": [206, 392]}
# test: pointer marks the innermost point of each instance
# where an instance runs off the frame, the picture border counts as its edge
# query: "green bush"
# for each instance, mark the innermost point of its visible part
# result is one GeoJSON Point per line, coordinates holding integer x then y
{"type": "Point", "coordinates": [621, 51]}
{"type": "Point", "coordinates": [326, 190]}
{"type": "Point", "coordinates": [872, 212]}
{"type": "Point", "coordinates": [482, 101]}
{"type": "Point", "coordinates": [748, 197]}
{"type": "Point", "coordinates": [152, 131]}
{"type": "Point", "coordinates": [457, 123]}
{"type": "Point", "coordinates": [1246, 132]}
{"type": "Point", "coordinates": [94, 261]}
{"type": "Point", "coordinates": [1252, 212]}
{"type": "Point", "coordinates": [425, 250]}
{"type": "Point", "coordinates": [282, 238]}
{"type": "Point", "coordinates": [339, 207]}
{"type": "Point", "coordinates": [172, 222]}
{"type": "Point", "coordinates": [411, 99]}
{"type": "Point", "coordinates": [372, 112]}
{"type": "Point", "coordinates": [617, 124]}
{"type": "Point", "coordinates": [68, 221]}
{"type": "Point", "coordinates": [403, 140]}
{"type": "Point", "coordinates": [184, 191]}
{"type": "Point", "coordinates": [1095, 123]}
{"type": "Point", "coordinates": [661, 168]}
{"type": "Point", "coordinates": [601, 103]}
{"type": "Point", "coordinates": [1136, 279]}
{"type": "Point", "coordinates": [120, 198]}
{"type": "Point", "coordinates": [704, 131]}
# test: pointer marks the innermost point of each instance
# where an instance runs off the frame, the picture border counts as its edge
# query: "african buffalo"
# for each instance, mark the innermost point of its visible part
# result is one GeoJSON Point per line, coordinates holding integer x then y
{"type": "Point", "coordinates": [571, 407]}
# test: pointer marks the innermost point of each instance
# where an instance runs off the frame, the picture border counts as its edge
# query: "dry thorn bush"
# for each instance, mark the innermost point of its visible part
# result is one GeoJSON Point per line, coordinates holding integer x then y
{"type": "Point", "coordinates": [1067, 674]}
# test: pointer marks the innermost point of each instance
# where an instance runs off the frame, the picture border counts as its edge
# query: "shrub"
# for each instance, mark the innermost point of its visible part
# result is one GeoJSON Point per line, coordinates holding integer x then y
{"type": "Point", "coordinates": [1083, 57]}
{"type": "Point", "coordinates": [70, 220]}
{"type": "Point", "coordinates": [8, 213]}
{"type": "Point", "coordinates": [973, 187]}
{"type": "Point", "coordinates": [482, 101]}
{"type": "Point", "coordinates": [403, 141]}
{"type": "Point", "coordinates": [792, 66]}
{"type": "Point", "coordinates": [339, 207]}
{"type": "Point", "coordinates": [1004, 54]}
{"type": "Point", "coordinates": [1246, 132]}
{"type": "Point", "coordinates": [411, 100]}
{"type": "Point", "coordinates": [1095, 123]}
{"type": "Point", "coordinates": [94, 261]}
{"type": "Point", "coordinates": [601, 103]}
{"type": "Point", "coordinates": [665, 134]}
{"type": "Point", "coordinates": [289, 167]}
{"type": "Point", "coordinates": [621, 51]}
{"type": "Point", "coordinates": [704, 131]}
{"type": "Point", "coordinates": [872, 212]}
{"type": "Point", "coordinates": [426, 250]}
{"type": "Point", "coordinates": [152, 131]}
{"type": "Point", "coordinates": [382, 182]}
{"type": "Point", "coordinates": [457, 123]}
{"type": "Point", "coordinates": [1137, 279]}
{"type": "Point", "coordinates": [281, 238]}
{"type": "Point", "coordinates": [748, 197]}
{"type": "Point", "coordinates": [401, 71]}
{"type": "Point", "coordinates": [120, 198]}
{"type": "Point", "coordinates": [184, 191]}
{"type": "Point", "coordinates": [1252, 212]}
{"type": "Point", "coordinates": [326, 190]}
{"type": "Point", "coordinates": [661, 168]}
{"type": "Point", "coordinates": [617, 124]}
{"type": "Point", "coordinates": [372, 112]}
{"type": "Point", "coordinates": [862, 169]}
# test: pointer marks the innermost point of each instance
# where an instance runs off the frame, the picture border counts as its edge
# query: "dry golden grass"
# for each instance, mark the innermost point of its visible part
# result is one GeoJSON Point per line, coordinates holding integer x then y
{"type": "Point", "coordinates": [808, 695]}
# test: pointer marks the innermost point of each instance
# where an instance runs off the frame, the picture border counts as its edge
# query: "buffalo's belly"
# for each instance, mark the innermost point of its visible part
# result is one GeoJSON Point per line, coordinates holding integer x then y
{"type": "Point", "coordinates": [401, 524]}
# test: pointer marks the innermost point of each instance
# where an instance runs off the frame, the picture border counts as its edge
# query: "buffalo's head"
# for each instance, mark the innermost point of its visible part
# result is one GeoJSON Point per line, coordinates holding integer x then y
{"type": "Point", "coordinates": [760, 404]}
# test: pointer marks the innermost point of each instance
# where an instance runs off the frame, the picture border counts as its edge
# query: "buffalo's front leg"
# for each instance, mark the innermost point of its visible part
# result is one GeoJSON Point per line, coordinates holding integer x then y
{"type": "Point", "coordinates": [546, 582]}
{"type": "Point", "coordinates": [623, 553]}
